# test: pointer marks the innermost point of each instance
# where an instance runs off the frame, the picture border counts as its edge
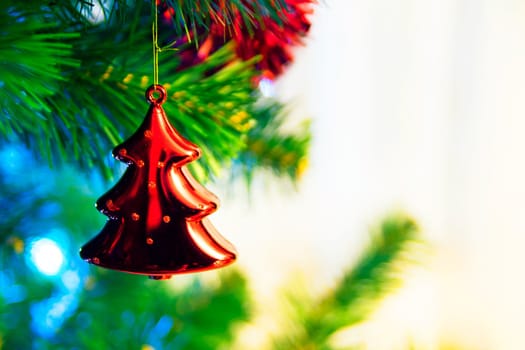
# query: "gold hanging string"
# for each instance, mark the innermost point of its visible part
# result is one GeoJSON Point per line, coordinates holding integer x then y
{"type": "Point", "coordinates": [156, 48]}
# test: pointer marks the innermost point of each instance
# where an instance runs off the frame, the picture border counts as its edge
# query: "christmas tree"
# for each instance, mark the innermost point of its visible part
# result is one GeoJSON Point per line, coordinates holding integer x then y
{"type": "Point", "coordinates": [73, 74]}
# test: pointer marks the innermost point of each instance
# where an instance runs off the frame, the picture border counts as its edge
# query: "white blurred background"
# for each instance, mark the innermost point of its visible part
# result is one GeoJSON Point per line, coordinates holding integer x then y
{"type": "Point", "coordinates": [416, 105]}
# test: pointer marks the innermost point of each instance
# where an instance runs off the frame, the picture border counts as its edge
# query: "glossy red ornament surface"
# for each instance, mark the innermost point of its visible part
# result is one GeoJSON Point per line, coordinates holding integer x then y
{"type": "Point", "coordinates": [157, 212]}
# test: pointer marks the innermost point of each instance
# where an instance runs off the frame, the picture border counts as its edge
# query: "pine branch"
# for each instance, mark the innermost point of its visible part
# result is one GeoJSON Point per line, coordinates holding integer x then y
{"type": "Point", "coordinates": [267, 147]}
{"type": "Point", "coordinates": [359, 291]}
{"type": "Point", "coordinates": [86, 123]}
{"type": "Point", "coordinates": [187, 16]}
{"type": "Point", "coordinates": [33, 56]}
{"type": "Point", "coordinates": [89, 95]}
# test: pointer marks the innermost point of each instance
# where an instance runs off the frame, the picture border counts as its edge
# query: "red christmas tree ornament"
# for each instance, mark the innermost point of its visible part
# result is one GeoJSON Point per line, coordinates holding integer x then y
{"type": "Point", "coordinates": [157, 212]}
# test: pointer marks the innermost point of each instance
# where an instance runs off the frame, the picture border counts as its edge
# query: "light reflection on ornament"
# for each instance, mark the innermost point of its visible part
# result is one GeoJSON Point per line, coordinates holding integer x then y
{"type": "Point", "coordinates": [47, 256]}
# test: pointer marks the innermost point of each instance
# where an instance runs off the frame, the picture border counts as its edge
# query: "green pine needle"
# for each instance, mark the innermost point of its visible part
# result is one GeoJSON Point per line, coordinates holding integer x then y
{"type": "Point", "coordinates": [33, 59]}
{"type": "Point", "coordinates": [187, 16]}
{"type": "Point", "coordinates": [201, 13]}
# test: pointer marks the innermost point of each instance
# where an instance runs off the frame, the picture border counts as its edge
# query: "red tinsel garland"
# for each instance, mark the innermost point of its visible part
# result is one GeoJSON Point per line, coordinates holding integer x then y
{"type": "Point", "coordinates": [271, 39]}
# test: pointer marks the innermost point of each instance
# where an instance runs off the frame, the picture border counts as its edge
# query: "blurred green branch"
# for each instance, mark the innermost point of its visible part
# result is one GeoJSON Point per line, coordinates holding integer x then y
{"type": "Point", "coordinates": [359, 291]}
{"type": "Point", "coordinates": [200, 316]}
{"type": "Point", "coordinates": [86, 307]}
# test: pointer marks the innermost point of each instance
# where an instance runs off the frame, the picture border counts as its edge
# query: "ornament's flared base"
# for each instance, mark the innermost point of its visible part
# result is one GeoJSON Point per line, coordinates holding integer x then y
{"type": "Point", "coordinates": [193, 247]}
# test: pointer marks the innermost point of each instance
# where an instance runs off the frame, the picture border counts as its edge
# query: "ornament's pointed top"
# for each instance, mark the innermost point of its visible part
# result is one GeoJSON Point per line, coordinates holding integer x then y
{"type": "Point", "coordinates": [156, 94]}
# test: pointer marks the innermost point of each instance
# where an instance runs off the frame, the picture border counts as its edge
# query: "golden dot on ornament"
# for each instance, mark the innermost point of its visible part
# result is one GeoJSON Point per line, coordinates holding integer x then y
{"type": "Point", "coordinates": [160, 164]}
{"type": "Point", "coordinates": [166, 218]}
{"type": "Point", "coordinates": [148, 133]}
{"type": "Point", "coordinates": [149, 240]}
{"type": "Point", "coordinates": [140, 163]}
{"type": "Point", "coordinates": [152, 184]}
{"type": "Point", "coordinates": [135, 216]}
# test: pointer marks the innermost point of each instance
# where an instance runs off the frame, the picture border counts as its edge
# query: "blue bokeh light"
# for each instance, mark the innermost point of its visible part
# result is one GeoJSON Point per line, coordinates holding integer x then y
{"type": "Point", "coordinates": [48, 315]}
{"type": "Point", "coordinates": [47, 256]}
{"type": "Point", "coordinates": [10, 291]}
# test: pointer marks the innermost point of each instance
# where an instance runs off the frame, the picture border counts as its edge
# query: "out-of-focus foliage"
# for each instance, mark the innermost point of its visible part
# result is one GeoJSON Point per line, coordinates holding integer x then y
{"type": "Point", "coordinates": [84, 307]}
{"type": "Point", "coordinates": [121, 311]}
{"type": "Point", "coordinates": [357, 294]}
{"type": "Point", "coordinates": [81, 306]}
{"type": "Point", "coordinates": [284, 154]}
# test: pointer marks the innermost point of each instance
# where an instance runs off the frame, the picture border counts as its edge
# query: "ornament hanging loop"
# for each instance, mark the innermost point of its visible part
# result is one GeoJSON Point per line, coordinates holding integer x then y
{"type": "Point", "coordinates": [156, 94]}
